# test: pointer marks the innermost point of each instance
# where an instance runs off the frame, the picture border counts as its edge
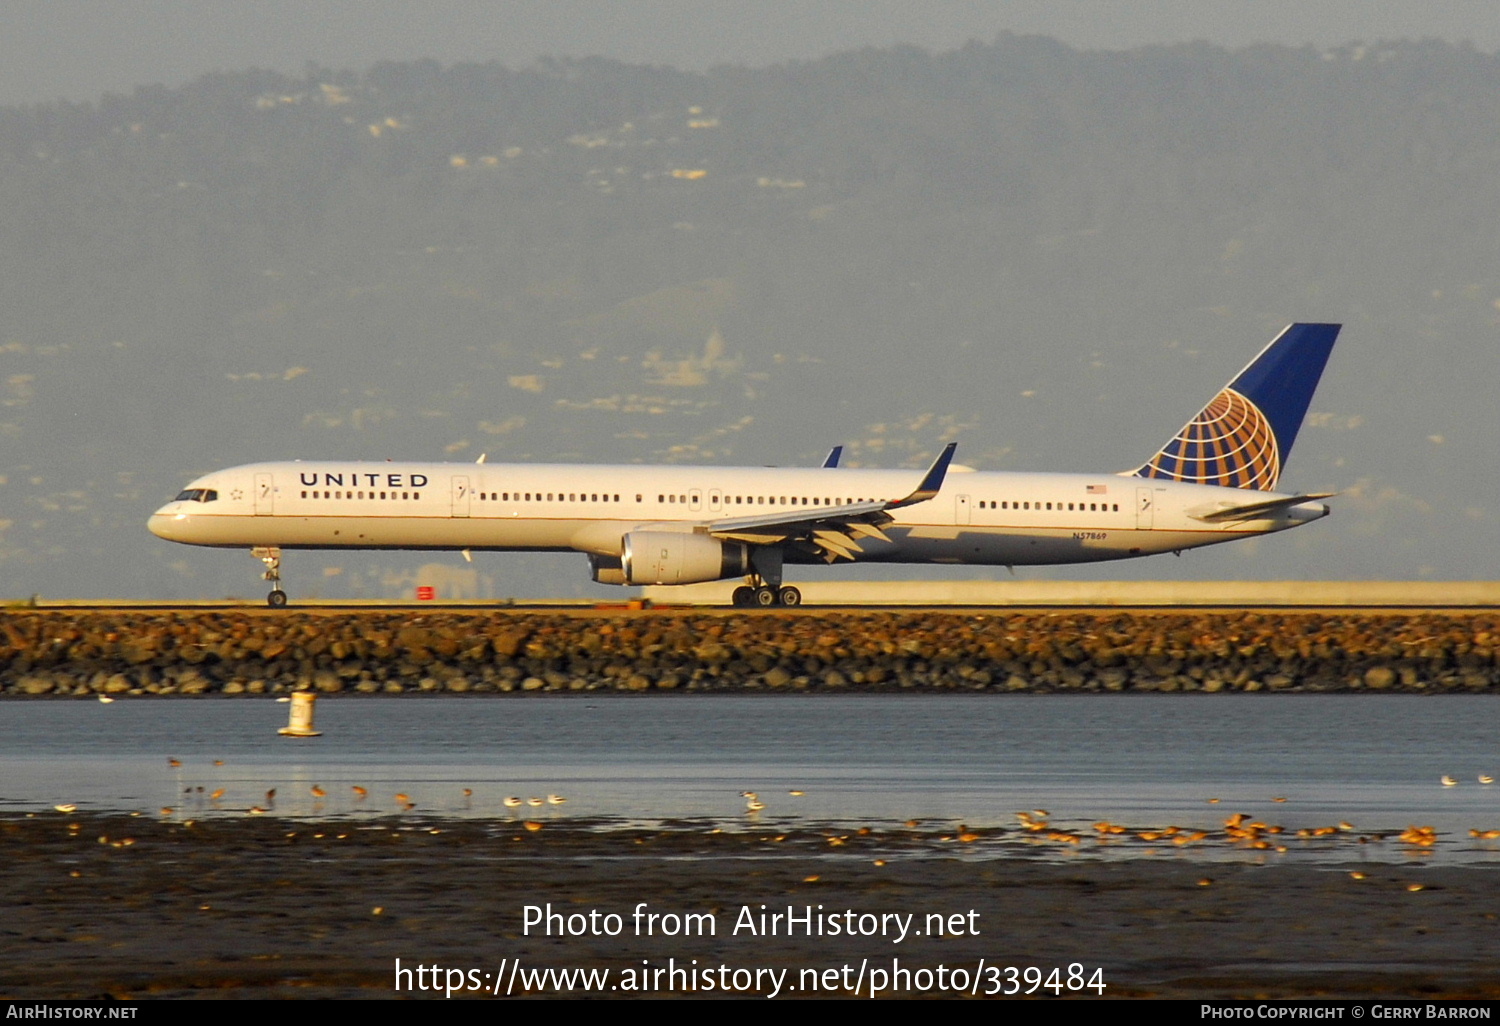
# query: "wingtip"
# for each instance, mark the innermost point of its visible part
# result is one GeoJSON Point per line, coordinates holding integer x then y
{"type": "Point", "coordinates": [932, 482]}
{"type": "Point", "coordinates": [939, 469]}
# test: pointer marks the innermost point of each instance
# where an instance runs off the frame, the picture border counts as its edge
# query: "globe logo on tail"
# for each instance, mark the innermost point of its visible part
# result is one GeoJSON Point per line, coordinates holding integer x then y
{"type": "Point", "coordinates": [1229, 443]}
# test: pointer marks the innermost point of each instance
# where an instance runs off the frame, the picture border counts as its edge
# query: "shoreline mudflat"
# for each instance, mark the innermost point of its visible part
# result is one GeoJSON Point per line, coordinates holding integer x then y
{"type": "Point", "coordinates": [250, 652]}
{"type": "Point", "coordinates": [260, 907]}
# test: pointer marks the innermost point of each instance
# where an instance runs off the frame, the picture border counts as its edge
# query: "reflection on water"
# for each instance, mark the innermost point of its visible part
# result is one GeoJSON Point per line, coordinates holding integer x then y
{"type": "Point", "coordinates": [1145, 760]}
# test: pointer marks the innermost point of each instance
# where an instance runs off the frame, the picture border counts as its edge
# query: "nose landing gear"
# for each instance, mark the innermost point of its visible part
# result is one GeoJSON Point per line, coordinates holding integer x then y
{"type": "Point", "coordinates": [271, 557]}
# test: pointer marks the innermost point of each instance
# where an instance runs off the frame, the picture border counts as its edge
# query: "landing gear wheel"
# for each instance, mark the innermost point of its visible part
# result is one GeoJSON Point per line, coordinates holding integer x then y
{"type": "Point", "coordinates": [790, 596]}
{"type": "Point", "coordinates": [270, 555]}
{"type": "Point", "coordinates": [743, 597]}
{"type": "Point", "coordinates": [765, 597]}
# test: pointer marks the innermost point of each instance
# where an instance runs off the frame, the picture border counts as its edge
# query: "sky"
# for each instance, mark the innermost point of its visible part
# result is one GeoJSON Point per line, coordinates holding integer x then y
{"type": "Point", "coordinates": [81, 49]}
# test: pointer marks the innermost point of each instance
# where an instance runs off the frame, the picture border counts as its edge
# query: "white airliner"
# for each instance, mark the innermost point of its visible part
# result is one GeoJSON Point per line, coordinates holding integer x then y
{"type": "Point", "coordinates": [1213, 482]}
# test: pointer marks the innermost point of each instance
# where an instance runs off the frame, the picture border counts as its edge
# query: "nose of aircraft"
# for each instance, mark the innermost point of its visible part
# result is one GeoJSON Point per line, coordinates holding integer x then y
{"type": "Point", "coordinates": [165, 522]}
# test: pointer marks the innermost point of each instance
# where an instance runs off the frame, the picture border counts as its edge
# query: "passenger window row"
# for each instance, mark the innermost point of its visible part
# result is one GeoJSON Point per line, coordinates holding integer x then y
{"type": "Point", "coordinates": [209, 495]}
{"type": "Point", "coordinates": [549, 497]}
{"type": "Point", "coordinates": [772, 500]}
{"type": "Point", "coordinates": [360, 495]}
{"type": "Point", "coordinates": [1081, 507]}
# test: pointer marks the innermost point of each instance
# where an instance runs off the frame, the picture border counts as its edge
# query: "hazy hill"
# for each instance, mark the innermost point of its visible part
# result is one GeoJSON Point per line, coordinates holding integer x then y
{"type": "Point", "coordinates": [1052, 256]}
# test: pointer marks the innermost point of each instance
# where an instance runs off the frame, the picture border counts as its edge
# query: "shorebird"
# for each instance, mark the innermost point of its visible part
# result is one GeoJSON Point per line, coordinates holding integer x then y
{"type": "Point", "coordinates": [318, 792]}
{"type": "Point", "coordinates": [359, 792]}
{"type": "Point", "coordinates": [513, 802]}
{"type": "Point", "coordinates": [66, 807]}
{"type": "Point", "coordinates": [1486, 779]}
{"type": "Point", "coordinates": [1424, 836]}
{"type": "Point", "coordinates": [555, 799]}
{"type": "Point", "coordinates": [535, 803]}
{"type": "Point", "coordinates": [105, 699]}
{"type": "Point", "coordinates": [1449, 781]}
{"type": "Point", "coordinates": [174, 763]}
{"type": "Point", "coordinates": [216, 795]}
{"type": "Point", "coordinates": [752, 801]}
{"type": "Point", "coordinates": [403, 799]}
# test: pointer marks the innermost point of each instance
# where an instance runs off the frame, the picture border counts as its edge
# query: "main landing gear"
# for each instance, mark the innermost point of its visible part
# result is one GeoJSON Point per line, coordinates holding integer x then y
{"type": "Point", "coordinates": [760, 595]}
{"type": "Point", "coordinates": [762, 588]}
{"type": "Point", "coordinates": [271, 556]}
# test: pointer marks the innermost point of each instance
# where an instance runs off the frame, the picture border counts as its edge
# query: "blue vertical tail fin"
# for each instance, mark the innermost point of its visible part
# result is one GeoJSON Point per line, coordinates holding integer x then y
{"type": "Point", "coordinates": [1242, 438]}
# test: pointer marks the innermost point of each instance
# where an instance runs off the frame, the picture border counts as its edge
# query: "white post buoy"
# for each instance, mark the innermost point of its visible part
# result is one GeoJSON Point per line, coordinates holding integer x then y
{"type": "Point", "coordinates": [301, 722]}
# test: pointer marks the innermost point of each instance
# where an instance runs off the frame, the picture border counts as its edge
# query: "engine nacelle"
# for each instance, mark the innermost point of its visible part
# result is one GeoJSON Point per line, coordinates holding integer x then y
{"type": "Point", "coordinates": [665, 557]}
{"type": "Point", "coordinates": [606, 570]}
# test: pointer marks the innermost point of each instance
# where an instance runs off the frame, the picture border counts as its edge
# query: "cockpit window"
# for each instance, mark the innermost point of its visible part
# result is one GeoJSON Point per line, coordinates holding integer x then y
{"type": "Point", "coordinates": [197, 495]}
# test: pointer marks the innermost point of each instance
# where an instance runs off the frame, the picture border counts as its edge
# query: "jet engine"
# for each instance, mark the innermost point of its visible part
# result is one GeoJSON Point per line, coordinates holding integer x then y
{"type": "Point", "coordinates": [664, 557]}
{"type": "Point", "coordinates": [606, 570]}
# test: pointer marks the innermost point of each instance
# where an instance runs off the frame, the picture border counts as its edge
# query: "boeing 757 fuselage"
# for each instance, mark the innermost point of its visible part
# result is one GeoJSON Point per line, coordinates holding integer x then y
{"type": "Point", "coordinates": [1215, 481]}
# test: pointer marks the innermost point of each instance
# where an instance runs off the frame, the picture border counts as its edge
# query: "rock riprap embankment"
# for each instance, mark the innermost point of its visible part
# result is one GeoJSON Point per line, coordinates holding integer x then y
{"type": "Point", "coordinates": [52, 652]}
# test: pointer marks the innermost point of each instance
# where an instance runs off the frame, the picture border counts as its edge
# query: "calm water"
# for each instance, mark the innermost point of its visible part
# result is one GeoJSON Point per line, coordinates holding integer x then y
{"type": "Point", "coordinates": [1374, 761]}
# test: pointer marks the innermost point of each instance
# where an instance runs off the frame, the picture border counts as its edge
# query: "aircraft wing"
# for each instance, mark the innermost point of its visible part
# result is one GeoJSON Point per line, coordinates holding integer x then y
{"type": "Point", "coordinates": [1251, 510]}
{"type": "Point", "coordinates": [831, 531]}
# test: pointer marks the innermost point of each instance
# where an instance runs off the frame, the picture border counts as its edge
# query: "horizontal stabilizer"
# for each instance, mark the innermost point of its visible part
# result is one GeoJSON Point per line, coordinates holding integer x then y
{"type": "Point", "coordinates": [1252, 510]}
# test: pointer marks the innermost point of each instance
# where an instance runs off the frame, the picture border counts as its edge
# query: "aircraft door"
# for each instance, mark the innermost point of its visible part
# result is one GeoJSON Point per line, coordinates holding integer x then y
{"type": "Point", "coordinates": [461, 496]}
{"type": "Point", "coordinates": [695, 499]}
{"type": "Point", "coordinates": [962, 510]}
{"type": "Point", "coordinates": [1145, 506]}
{"type": "Point", "coordinates": [265, 495]}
